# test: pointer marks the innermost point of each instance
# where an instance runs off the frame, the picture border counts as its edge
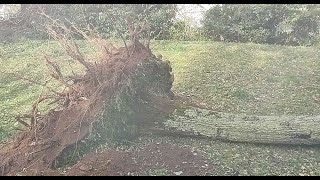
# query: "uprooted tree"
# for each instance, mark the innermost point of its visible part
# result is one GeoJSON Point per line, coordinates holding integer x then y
{"type": "Point", "coordinates": [112, 97]}
{"type": "Point", "coordinates": [124, 92]}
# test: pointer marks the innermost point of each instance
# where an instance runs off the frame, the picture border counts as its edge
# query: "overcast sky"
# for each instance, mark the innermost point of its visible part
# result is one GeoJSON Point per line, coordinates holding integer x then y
{"type": "Point", "coordinates": [192, 12]}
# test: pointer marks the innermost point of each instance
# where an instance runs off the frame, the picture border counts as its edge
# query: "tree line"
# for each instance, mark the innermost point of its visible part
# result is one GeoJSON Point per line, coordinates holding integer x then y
{"type": "Point", "coordinates": [286, 24]}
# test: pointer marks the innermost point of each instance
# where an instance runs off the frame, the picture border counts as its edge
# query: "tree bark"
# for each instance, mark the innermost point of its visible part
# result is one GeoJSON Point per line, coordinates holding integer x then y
{"type": "Point", "coordinates": [298, 130]}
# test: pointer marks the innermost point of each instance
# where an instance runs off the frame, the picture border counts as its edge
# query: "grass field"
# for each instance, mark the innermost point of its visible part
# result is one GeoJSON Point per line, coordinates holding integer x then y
{"type": "Point", "coordinates": [237, 78]}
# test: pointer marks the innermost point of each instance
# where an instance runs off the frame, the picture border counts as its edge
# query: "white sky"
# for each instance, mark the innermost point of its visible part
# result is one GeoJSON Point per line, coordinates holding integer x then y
{"type": "Point", "coordinates": [192, 12]}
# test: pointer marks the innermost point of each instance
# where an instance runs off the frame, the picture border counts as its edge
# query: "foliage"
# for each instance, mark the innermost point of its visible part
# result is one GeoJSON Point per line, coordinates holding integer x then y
{"type": "Point", "coordinates": [263, 23]}
{"type": "Point", "coordinates": [183, 31]}
{"type": "Point", "coordinates": [109, 19]}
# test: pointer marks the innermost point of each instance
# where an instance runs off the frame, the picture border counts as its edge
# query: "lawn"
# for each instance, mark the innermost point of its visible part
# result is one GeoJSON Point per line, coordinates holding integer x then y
{"type": "Point", "coordinates": [247, 78]}
{"type": "Point", "coordinates": [237, 78]}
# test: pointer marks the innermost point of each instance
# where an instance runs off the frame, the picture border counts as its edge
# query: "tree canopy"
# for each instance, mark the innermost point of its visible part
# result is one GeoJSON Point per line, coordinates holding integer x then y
{"type": "Point", "coordinates": [263, 23]}
{"type": "Point", "coordinates": [110, 19]}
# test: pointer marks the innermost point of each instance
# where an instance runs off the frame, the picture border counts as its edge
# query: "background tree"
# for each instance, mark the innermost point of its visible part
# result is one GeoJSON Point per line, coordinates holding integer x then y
{"type": "Point", "coordinates": [263, 23]}
{"type": "Point", "coordinates": [101, 16]}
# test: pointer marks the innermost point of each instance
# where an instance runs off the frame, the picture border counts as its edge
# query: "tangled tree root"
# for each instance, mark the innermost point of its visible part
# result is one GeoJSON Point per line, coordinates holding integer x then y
{"type": "Point", "coordinates": [105, 102]}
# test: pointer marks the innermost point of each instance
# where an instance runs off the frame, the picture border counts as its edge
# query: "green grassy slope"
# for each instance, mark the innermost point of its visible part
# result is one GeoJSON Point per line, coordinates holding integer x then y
{"type": "Point", "coordinates": [237, 78]}
{"type": "Point", "coordinates": [247, 78]}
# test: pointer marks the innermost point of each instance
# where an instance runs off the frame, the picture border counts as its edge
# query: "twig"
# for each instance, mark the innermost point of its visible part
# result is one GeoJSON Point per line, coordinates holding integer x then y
{"type": "Point", "coordinates": [35, 108]}
{"type": "Point", "coordinates": [54, 66]}
{"type": "Point", "coordinates": [119, 33]}
{"type": "Point", "coordinates": [18, 118]}
{"type": "Point", "coordinates": [57, 73]}
{"type": "Point", "coordinates": [69, 45]}
{"type": "Point", "coordinates": [148, 38]}
{"type": "Point", "coordinates": [31, 153]}
{"type": "Point", "coordinates": [34, 82]}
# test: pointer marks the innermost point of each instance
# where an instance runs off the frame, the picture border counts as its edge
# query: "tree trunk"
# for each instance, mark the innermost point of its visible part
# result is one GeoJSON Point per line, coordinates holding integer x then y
{"type": "Point", "coordinates": [299, 130]}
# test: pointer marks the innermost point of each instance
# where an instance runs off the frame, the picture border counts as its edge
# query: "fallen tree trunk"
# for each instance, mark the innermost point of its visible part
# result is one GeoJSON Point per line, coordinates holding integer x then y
{"type": "Point", "coordinates": [299, 130]}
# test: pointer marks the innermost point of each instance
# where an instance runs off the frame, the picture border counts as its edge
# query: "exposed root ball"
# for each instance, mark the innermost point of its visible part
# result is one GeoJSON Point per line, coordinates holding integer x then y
{"type": "Point", "coordinates": [104, 103]}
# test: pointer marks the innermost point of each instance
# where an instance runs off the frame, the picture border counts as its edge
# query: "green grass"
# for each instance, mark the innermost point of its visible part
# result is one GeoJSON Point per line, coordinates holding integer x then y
{"type": "Point", "coordinates": [246, 78]}
{"type": "Point", "coordinates": [238, 78]}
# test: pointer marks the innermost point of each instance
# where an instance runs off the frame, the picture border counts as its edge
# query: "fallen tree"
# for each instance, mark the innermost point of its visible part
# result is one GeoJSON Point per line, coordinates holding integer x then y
{"type": "Point", "coordinates": [124, 92]}
{"type": "Point", "coordinates": [101, 104]}
{"type": "Point", "coordinates": [297, 130]}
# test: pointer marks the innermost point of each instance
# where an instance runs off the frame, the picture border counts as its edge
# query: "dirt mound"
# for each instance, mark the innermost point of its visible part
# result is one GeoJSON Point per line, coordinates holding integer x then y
{"type": "Point", "coordinates": [177, 160]}
{"type": "Point", "coordinates": [170, 159]}
{"type": "Point", "coordinates": [174, 159]}
{"type": "Point", "coordinates": [109, 163]}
